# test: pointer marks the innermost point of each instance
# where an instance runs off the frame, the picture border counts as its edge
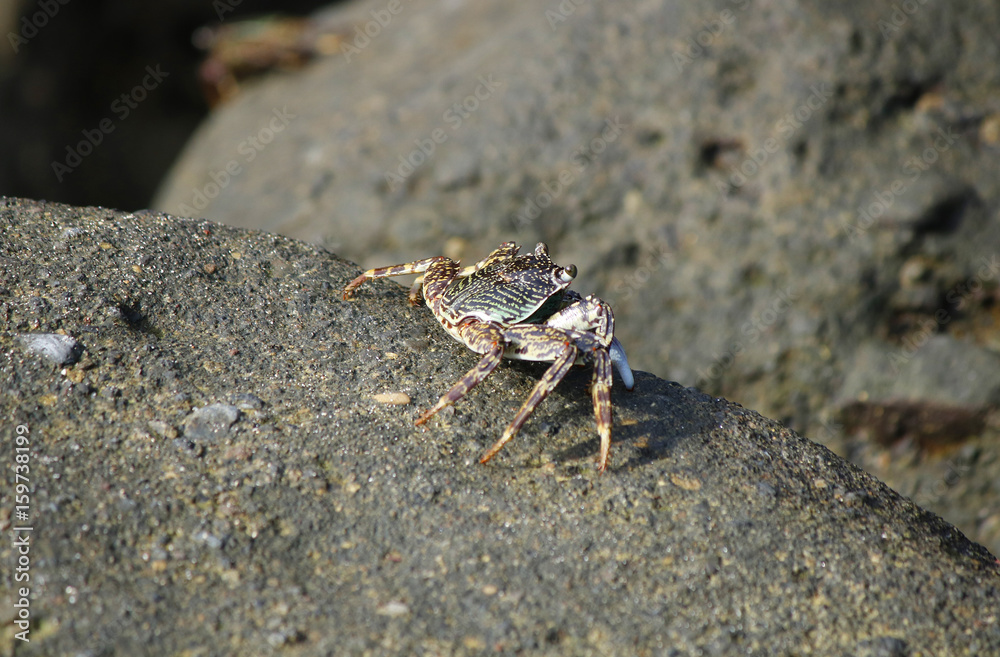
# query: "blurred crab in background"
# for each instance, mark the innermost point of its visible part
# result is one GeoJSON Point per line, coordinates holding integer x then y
{"type": "Point", "coordinates": [518, 306]}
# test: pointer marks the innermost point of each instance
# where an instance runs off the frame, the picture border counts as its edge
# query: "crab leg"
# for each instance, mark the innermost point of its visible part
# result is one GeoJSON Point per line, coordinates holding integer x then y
{"type": "Point", "coordinates": [505, 250]}
{"type": "Point", "coordinates": [545, 385]}
{"type": "Point", "coordinates": [600, 391]}
{"type": "Point", "coordinates": [418, 267]}
{"type": "Point", "coordinates": [483, 336]}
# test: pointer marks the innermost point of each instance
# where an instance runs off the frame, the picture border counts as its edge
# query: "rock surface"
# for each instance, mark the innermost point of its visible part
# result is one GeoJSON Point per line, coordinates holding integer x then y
{"type": "Point", "coordinates": [757, 188]}
{"type": "Point", "coordinates": [321, 521]}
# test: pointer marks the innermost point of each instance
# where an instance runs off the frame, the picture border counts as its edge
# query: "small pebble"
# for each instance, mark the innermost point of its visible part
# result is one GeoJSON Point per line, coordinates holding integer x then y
{"type": "Point", "coordinates": [54, 347]}
{"type": "Point", "coordinates": [70, 233]}
{"type": "Point", "coordinates": [685, 481]}
{"type": "Point", "coordinates": [210, 422]}
{"type": "Point", "coordinates": [162, 429]}
{"type": "Point", "coordinates": [394, 398]}
{"type": "Point", "coordinates": [248, 402]}
{"type": "Point", "coordinates": [394, 608]}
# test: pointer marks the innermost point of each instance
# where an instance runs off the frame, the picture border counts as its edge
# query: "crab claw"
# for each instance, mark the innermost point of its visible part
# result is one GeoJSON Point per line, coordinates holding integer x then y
{"type": "Point", "coordinates": [618, 357]}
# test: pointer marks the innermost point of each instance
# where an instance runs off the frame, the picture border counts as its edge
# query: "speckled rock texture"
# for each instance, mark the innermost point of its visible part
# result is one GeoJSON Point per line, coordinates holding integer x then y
{"type": "Point", "coordinates": [215, 476]}
{"type": "Point", "coordinates": [763, 191]}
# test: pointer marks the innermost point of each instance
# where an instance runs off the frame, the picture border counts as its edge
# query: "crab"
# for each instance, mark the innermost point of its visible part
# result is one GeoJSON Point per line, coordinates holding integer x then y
{"type": "Point", "coordinates": [518, 306]}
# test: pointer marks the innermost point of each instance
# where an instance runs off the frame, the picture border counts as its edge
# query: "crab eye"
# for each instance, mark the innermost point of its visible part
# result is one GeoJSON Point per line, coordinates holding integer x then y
{"type": "Point", "coordinates": [541, 249]}
{"type": "Point", "coordinates": [568, 273]}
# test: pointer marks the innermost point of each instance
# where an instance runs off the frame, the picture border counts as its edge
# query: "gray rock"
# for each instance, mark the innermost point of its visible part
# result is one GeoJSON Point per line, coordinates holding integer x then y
{"type": "Point", "coordinates": [53, 347]}
{"type": "Point", "coordinates": [210, 422]}
{"type": "Point", "coordinates": [339, 527]}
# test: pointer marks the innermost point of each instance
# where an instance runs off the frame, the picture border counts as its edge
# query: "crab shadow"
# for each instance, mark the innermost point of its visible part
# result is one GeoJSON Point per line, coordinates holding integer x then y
{"type": "Point", "coordinates": [649, 422]}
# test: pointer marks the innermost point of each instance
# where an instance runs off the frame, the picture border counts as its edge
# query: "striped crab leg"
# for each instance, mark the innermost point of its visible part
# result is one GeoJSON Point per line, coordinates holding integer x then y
{"type": "Point", "coordinates": [486, 338]}
{"type": "Point", "coordinates": [505, 250]}
{"type": "Point", "coordinates": [417, 267]}
{"type": "Point", "coordinates": [600, 391]}
{"type": "Point", "coordinates": [561, 347]}
{"type": "Point", "coordinates": [545, 385]}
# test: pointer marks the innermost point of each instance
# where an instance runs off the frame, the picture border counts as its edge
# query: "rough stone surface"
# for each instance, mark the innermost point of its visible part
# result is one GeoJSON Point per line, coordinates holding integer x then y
{"type": "Point", "coordinates": [757, 188]}
{"type": "Point", "coordinates": [324, 522]}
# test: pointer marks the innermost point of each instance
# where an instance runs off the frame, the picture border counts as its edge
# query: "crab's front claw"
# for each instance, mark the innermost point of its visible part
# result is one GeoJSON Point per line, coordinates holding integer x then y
{"type": "Point", "coordinates": [618, 357]}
